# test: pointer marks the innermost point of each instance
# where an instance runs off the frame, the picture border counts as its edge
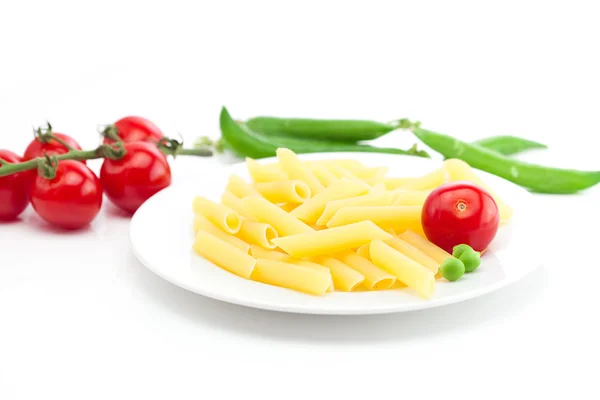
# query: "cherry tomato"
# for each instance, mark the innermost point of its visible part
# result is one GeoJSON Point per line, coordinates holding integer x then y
{"type": "Point", "coordinates": [72, 199]}
{"type": "Point", "coordinates": [14, 189]}
{"type": "Point", "coordinates": [37, 148]}
{"type": "Point", "coordinates": [137, 129]}
{"type": "Point", "coordinates": [130, 181]}
{"type": "Point", "coordinates": [460, 213]}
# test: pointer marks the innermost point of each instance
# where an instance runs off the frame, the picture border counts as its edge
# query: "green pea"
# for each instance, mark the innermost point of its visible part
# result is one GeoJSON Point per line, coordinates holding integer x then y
{"type": "Point", "coordinates": [459, 249]}
{"type": "Point", "coordinates": [452, 269]}
{"type": "Point", "coordinates": [471, 259]}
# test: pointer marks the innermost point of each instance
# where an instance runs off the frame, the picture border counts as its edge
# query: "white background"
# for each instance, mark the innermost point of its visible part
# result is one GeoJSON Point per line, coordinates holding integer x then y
{"type": "Point", "coordinates": [80, 318]}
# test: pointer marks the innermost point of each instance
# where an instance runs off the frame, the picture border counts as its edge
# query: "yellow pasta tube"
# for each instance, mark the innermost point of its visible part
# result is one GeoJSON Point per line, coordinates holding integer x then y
{"type": "Point", "coordinates": [341, 172]}
{"type": "Point", "coordinates": [264, 172]}
{"type": "Point", "coordinates": [322, 173]}
{"type": "Point", "coordinates": [311, 209]}
{"type": "Point", "coordinates": [377, 188]}
{"type": "Point", "coordinates": [288, 207]}
{"type": "Point", "coordinates": [345, 279]}
{"type": "Point", "coordinates": [224, 254]}
{"type": "Point", "coordinates": [407, 270]}
{"type": "Point", "coordinates": [220, 215]}
{"type": "Point", "coordinates": [373, 199]}
{"type": "Point", "coordinates": [296, 170]}
{"type": "Point", "coordinates": [395, 183]}
{"type": "Point", "coordinates": [458, 170]}
{"type": "Point", "coordinates": [396, 217]}
{"type": "Point", "coordinates": [235, 203]}
{"type": "Point", "coordinates": [414, 253]}
{"type": "Point", "coordinates": [371, 175]}
{"type": "Point", "coordinates": [365, 251]}
{"type": "Point", "coordinates": [332, 240]}
{"type": "Point", "coordinates": [240, 188]}
{"type": "Point", "coordinates": [284, 223]}
{"type": "Point", "coordinates": [260, 252]}
{"type": "Point", "coordinates": [202, 224]}
{"type": "Point", "coordinates": [427, 181]}
{"type": "Point", "coordinates": [410, 197]}
{"type": "Point", "coordinates": [257, 233]}
{"type": "Point", "coordinates": [284, 191]}
{"type": "Point", "coordinates": [291, 276]}
{"type": "Point", "coordinates": [310, 264]}
{"type": "Point", "coordinates": [433, 251]}
{"type": "Point", "coordinates": [375, 277]}
{"type": "Point", "coordinates": [347, 163]}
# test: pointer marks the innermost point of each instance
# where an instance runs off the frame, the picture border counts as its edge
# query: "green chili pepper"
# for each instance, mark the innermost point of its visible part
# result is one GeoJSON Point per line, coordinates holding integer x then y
{"type": "Point", "coordinates": [247, 143]}
{"type": "Point", "coordinates": [531, 176]}
{"type": "Point", "coordinates": [344, 130]}
{"type": "Point", "coordinates": [509, 145]}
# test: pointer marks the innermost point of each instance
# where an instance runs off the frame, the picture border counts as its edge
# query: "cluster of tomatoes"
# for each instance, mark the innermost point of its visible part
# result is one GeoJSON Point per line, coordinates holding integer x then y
{"type": "Point", "coordinates": [73, 197]}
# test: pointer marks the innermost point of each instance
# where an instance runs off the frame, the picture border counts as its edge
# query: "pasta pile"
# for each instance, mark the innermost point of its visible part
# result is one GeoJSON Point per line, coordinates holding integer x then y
{"type": "Point", "coordinates": [324, 226]}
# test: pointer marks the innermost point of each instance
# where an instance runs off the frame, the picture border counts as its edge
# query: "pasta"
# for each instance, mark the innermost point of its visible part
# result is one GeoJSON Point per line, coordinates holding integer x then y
{"type": "Point", "coordinates": [410, 197]}
{"type": "Point", "coordinates": [235, 203]}
{"type": "Point", "coordinates": [264, 173]}
{"type": "Point", "coordinates": [342, 189]}
{"type": "Point", "coordinates": [407, 270]}
{"type": "Point", "coordinates": [202, 224]}
{"type": "Point", "coordinates": [345, 279]}
{"type": "Point", "coordinates": [377, 188]}
{"type": "Point", "coordinates": [284, 191]}
{"type": "Point", "coordinates": [427, 181]}
{"type": "Point", "coordinates": [224, 254]}
{"type": "Point", "coordinates": [240, 188]}
{"type": "Point", "coordinates": [364, 251]}
{"type": "Point", "coordinates": [288, 207]}
{"type": "Point", "coordinates": [261, 252]}
{"type": "Point", "coordinates": [257, 233]}
{"type": "Point", "coordinates": [341, 172]}
{"type": "Point", "coordinates": [384, 216]}
{"type": "Point", "coordinates": [220, 215]}
{"type": "Point", "coordinates": [373, 199]}
{"type": "Point", "coordinates": [395, 183]}
{"type": "Point", "coordinates": [414, 253]}
{"type": "Point", "coordinates": [375, 277]}
{"type": "Point", "coordinates": [330, 241]}
{"type": "Point", "coordinates": [284, 223]}
{"type": "Point", "coordinates": [291, 276]}
{"type": "Point", "coordinates": [371, 176]}
{"type": "Point", "coordinates": [322, 173]}
{"type": "Point", "coordinates": [295, 169]}
{"type": "Point", "coordinates": [433, 251]}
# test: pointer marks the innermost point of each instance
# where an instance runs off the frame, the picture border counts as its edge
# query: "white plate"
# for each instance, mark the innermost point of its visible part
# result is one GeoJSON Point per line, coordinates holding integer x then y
{"type": "Point", "coordinates": [161, 237]}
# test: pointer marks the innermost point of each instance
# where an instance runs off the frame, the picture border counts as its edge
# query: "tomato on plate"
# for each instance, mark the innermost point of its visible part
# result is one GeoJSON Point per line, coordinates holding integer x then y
{"type": "Point", "coordinates": [14, 189]}
{"type": "Point", "coordinates": [39, 146]}
{"type": "Point", "coordinates": [136, 129]}
{"type": "Point", "coordinates": [70, 200]}
{"type": "Point", "coordinates": [133, 179]}
{"type": "Point", "coordinates": [460, 212]}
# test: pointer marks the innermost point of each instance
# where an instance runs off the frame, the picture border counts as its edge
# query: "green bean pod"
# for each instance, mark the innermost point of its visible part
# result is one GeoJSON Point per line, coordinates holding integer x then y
{"type": "Point", "coordinates": [509, 145]}
{"type": "Point", "coordinates": [531, 176]}
{"type": "Point", "coordinates": [343, 130]}
{"type": "Point", "coordinates": [247, 143]}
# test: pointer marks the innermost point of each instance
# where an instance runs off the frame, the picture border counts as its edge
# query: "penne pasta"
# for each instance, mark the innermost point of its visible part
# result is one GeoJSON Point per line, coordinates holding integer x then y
{"type": "Point", "coordinates": [310, 210]}
{"type": "Point", "coordinates": [257, 233]}
{"type": "Point", "coordinates": [395, 183]}
{"type": "Point", "coordinates": [284, 191]}
{"type": "Point", "coordinates": [427, 181]}
{"type": "Point", "coordinates": [414, 253]}
{"type": "Point", "coordinates": [288, 207]}
{"type": "Point", "coordinates": [371, 176]}
{"type": "Point", "coordinates": [203, 224]}
{"type": "Point", "coordinates": [374, 277]}
{"type": "Point", "coordinates": [377, 188]}
{"type": "Point", "coordinates": [345, 279]}
{"type": "Point", "coordinates": [291, 276]}
{"type": "Point", "coordinates": [310, 264]}
{"type": "Point", "coordinates": [349, 164]}
{"type": "Point", "coordinates": [341, 172]}
{"type": "Point", "coordinates": [459, 170]}
{"type": "Point", "coordinates": [220, 215]}
{"type": "Point", "coordinates": [235, 203]}
{"type": "Point", "coordinates": [365, 251]}
{"type": "Point", "coordinates": [433, 251]}
{"type": "Point", "coordinates": [260, 252]}
{"type": "Point", "coordinates": [284, 223]}
{"type": "Point", "coordinates": [374, 199]}
{"type": "Point", "coordinates": [264, 172]}
{"type": "Point", "coordinates": [407, 270]}
{"type": "Point", "coordinates": [296, 170]}
{"type": "Point", "coordinates": [322, 173]}
{"type": "Point", "coordinates": [240, 188]}
{"type": "Point", "coordinates": [332, 240]}
{"type": "Point", "coordinates": [410, 197]}
{"type": "Point", "coordinates": [397, 217]}
{"type": "Point", "coordinates": [224, 254]}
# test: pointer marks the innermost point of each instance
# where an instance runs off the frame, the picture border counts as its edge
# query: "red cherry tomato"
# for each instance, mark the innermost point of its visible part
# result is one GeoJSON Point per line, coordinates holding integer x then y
{"type": "Point", "coordinates": [137, 129]}
{"type": "Point", "coordinates": [14, 189]}
{"type": "Point", "coordinates": [37, 148]}
{"type": "Point", "coordinates": [460, 212]}
{"type": "Point", "coordinates": [72, 199]}
{"type": "Point", "coordinates": [130, 181]}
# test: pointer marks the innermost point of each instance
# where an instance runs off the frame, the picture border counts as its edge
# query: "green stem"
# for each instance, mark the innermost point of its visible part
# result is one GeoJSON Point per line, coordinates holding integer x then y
{"type": "Point", "coordinates": [59, 140]}
{"type": "Point", "coordinates": [201, 152]}
{"type": "Point", "coordinates": [79, 155]}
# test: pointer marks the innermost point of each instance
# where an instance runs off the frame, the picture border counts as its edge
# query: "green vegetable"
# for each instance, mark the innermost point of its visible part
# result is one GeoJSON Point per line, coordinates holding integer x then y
{"type": "Point", "coordinates": [330, 129]}
{"type": "Point", "coordinates": [509, 145]}
{"type": "Point", "coordinates": [247, 143]}
{"type": "Point", "coordinates": [459, 249]}
{"type": "Point", "coordinates": [534, 177]}
{"type": "Point", "coordinates": [471, 259]}
{"type": "Point", "coordinates": [452, 269]}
